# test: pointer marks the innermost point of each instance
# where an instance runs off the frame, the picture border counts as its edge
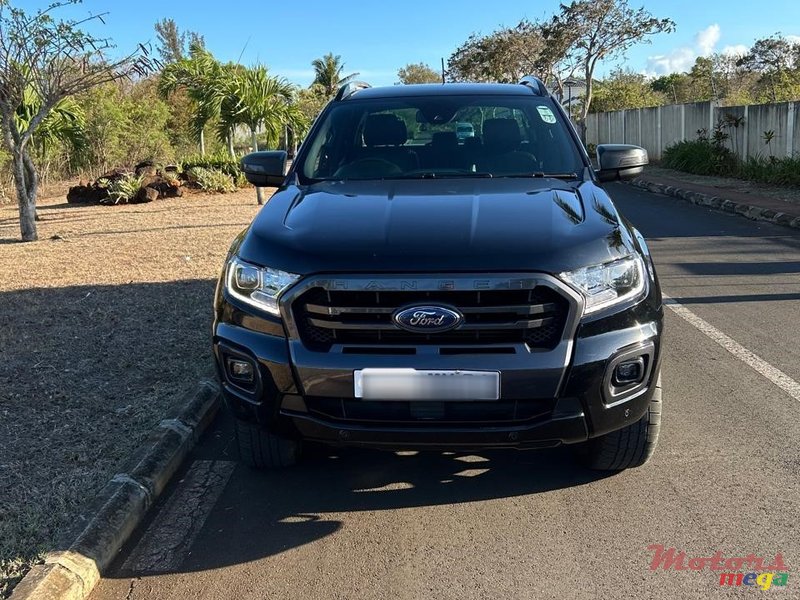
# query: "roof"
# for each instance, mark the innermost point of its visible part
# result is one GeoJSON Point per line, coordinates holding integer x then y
{"type": "Point", "coordinates": [444, 89]}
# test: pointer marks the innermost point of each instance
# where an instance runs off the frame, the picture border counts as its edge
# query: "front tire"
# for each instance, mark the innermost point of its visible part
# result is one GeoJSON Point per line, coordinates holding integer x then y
{"type": "Point", "coordinates": [631, 446]}
{"type": "Point", "coordinates": [261, 449]}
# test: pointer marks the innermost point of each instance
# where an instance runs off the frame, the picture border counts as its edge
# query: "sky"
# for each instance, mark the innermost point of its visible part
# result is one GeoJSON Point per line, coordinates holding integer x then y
{"type": "Point", "coordinates": [376, 38]}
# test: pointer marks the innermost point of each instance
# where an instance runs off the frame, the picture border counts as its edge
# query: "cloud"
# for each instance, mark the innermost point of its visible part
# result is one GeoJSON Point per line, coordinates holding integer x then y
{"type": "Point", "coordinates": [678, 60]}
{"type": "Point", "coordinates": [736, 50]}
{"type": "Point", "coordinates": [681, 59]}
{"type": "Point", "coordinates": [707, 39]}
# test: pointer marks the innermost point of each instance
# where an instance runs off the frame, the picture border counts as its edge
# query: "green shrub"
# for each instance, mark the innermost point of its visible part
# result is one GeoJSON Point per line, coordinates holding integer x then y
{"type": "Point", "coordinates": [777, 171]}
{"type": "Point", "coordinates": [221, 162]}
{"type": "Point", "coordinates": [211, 180]}
{"type": "Point", "coordinates": [701, 157]}
{"type": "Point", "coordinates": [122, 189]}
{"type": "Point", "coordinates": [705, 157]}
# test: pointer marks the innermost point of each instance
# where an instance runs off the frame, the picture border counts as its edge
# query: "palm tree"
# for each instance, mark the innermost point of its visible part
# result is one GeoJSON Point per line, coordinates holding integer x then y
{"type": "Point", "coordinates": [253, 98]}
{"type": "Point", "coordinates": [259, 101]}
{"type": "Point", "coordinates": [199, 75]}
{"type": "Point", "coordinates": [328, 70]}
{"type": "Point", "coordinates": [64, 123]}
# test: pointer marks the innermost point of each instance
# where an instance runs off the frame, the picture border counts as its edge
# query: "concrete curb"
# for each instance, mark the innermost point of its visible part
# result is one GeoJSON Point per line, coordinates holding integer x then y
{"type": "Point", "coordinates": [120, 506]}
{"type": "Point", "coordinates": [756, 213]}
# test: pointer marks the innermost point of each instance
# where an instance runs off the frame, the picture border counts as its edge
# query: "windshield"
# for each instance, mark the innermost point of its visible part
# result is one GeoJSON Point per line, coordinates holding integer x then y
{"type": "Point", "coordinates": [440, 136]}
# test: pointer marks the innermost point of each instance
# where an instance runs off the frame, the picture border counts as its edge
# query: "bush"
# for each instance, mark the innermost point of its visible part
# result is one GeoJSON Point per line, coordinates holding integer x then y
{"type": "Point", "coordinates": [777, 171]}
{"type": "Point", "coordinates": [701, 157]}
{"type": "Point", "coordinates": [220, 162]}
{"type": "Point", "coordinates": [211, 180]}
{"type": "Point", "coordinates": [122, 189]}
{"type": "Point", "coordinates": [704, 157]}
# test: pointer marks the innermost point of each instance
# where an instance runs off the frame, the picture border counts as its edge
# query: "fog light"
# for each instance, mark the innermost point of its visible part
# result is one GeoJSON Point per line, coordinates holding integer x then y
{"type": "Point", "coordinates": [629, 371]}
{"type": "Point", "coordinates": [240, 370]}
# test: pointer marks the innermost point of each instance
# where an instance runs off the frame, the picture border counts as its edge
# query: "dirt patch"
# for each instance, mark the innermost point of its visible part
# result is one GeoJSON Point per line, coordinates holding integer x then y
{"type": "Point", "coordinates": [104, 324]}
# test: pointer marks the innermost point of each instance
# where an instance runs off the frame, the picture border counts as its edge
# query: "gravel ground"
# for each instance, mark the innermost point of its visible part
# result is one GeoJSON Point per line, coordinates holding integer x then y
{"type": "Point", "coordinates": [104, 324]}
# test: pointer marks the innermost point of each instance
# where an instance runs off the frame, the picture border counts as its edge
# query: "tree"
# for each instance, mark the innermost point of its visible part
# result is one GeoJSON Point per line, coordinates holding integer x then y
{"type": "Point", "coordinates": [777, 60]}
{"type": "Point", "coordinates": [328, 73]}
{"type": "Point", "coordinates": [674, 86]}
{"type": "Point", "coordinates": [418, 73]}
{"type": "Point", "coordinates": [555, 62]}
{"type": "Point", "coordinates": [309, 102]}
{"type": "Point", "coordinates": [260, 102]}
{"type": "Point", "coordinates": [624, 90]}
{"type": "Point", "coordinates": [49, 60]}
{"type": "Point", "coordinates": [603, 29]}
{"type": "Point", "coordinates": [200, 75]}
{"type": "Point", "coordinates": [172, 43]}
{"type": "Point", "coordinates": [124, 123]}
{"type": "Point", "coordinates": [64, 123]}
{"type": "Point", "coordinates": [253, 98]}
{"type": "Point", "coordinates": [505, 55]}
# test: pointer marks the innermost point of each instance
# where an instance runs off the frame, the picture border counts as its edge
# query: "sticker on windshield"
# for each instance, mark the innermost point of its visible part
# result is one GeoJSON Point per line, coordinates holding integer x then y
{"type": "Point", "coordinates": [546, 114]}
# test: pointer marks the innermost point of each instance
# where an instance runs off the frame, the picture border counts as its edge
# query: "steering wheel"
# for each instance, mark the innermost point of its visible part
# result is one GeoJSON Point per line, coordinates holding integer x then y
{"type": "Point", "coordinates": [368, 167]}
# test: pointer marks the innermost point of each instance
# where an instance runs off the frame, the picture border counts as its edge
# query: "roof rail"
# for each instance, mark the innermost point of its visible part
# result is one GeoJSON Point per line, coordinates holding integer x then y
{"type": "Point", "coordinates": [348, 89]}
{"type": "Point", "coordinates": [536, 84]}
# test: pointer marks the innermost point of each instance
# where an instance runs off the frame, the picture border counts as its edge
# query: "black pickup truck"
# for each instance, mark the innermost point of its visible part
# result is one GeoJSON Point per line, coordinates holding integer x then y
{"type": "Point", "coordinates": [408, 287]}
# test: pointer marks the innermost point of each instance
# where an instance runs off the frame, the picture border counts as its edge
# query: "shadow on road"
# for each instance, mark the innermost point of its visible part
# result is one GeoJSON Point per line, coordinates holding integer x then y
{"type": "Point", "coordinates": [261, 514]}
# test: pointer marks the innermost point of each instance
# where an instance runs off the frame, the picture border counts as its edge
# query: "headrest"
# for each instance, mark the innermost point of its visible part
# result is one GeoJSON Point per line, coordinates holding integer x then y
{"type": "Point", "coordinates": [444, 139]}
{"type": "Point", "coordinates": [384, 130]}
{"type": "Point", "coordinates": [501, 134]}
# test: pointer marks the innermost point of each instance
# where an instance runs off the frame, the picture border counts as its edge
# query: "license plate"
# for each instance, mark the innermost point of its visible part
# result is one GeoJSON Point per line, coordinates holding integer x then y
{"type": "Point", "coordinates": [413, 384]}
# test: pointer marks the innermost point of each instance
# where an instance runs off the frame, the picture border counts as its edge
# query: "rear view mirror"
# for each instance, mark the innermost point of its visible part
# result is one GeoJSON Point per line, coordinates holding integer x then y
{"type": "Point", "coordinates": [620, 161]}
{"type": "Point", "coordinates": [265, 169]}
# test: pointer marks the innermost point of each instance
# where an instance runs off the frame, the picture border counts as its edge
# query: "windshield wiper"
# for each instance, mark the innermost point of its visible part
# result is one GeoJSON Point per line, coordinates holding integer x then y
{"type": "Point", "coordinates": [542, 175]}
{"type": "Point", "coordinates": [435, 175]}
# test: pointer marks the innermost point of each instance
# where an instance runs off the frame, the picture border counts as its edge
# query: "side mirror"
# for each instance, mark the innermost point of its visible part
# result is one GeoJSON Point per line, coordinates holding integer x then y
{"type": "Point", "coordinates": [265, 169]}
{"type": "Point", "coordinates": [620, 161]}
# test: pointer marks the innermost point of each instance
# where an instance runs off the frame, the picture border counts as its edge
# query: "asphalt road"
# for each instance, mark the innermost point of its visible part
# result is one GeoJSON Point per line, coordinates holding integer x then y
{"type": "Point", "coordinates": [359, 524]}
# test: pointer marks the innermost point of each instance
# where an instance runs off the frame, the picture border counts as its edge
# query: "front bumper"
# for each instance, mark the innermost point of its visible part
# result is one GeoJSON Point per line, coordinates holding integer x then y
{"type": "Point", "coordinates": [561, 428]}
{"type": "Point", "coordinates": [564, 404]}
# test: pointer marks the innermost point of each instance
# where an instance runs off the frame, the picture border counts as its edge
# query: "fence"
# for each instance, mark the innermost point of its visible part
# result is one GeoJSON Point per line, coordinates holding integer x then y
{"type": "Point", "coordinates": [658, 127]}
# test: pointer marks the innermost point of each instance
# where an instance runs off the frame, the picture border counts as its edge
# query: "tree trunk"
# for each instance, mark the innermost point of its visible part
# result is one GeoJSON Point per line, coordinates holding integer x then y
{"type": "Point", "coordinates": [587, 102]}
{"type": "Point", "coordinates": [202, 143]}
{"type": "Point", "coordinates": [230, 144]}
{"type": "Point", "coordinates": [25, 181]}
{"type": "Point", "coordinates": [259, 192]}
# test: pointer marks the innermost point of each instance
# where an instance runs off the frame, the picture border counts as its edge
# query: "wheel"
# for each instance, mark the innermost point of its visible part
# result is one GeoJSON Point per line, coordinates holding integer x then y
{"type": "Point", "coordinates": [263, 450]}
{"type": "Point", "coordinates": [631, 446]}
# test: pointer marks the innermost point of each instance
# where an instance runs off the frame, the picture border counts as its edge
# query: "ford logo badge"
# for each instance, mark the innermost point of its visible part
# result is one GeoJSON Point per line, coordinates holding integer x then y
{"type": "Point", "coordinates": [428, 319]}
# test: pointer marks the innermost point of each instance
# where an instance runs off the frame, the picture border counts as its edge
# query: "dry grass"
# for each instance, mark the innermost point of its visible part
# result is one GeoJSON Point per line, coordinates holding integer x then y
{"type": "Point", "coordinates": [104, 324]}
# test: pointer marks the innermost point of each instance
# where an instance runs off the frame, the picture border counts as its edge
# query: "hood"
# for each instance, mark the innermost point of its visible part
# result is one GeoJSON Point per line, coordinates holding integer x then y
{"type": "Point", "coordinates": [436, 226]}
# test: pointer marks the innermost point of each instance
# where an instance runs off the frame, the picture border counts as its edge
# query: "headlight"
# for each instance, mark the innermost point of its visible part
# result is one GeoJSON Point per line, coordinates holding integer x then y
{"type": "Point", "coordinates": [256, 286]}
{"type": "Point", "coordinates": [607, 284]}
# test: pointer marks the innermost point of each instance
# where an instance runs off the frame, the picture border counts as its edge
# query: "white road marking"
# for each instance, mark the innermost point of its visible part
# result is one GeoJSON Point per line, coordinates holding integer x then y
{"type": "Point", "coordinates": [773, 374]}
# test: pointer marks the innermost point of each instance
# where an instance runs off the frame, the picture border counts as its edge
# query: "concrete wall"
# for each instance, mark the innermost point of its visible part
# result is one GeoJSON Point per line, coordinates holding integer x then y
{"type": "Point", "coordinates": [657, 128]}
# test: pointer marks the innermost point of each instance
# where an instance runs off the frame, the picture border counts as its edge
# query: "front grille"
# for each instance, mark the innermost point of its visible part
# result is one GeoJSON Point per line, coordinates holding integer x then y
{"type": "Point", "coordinates": [418, 413]}
{"type": "Point", "coordinates": [535, 317]}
